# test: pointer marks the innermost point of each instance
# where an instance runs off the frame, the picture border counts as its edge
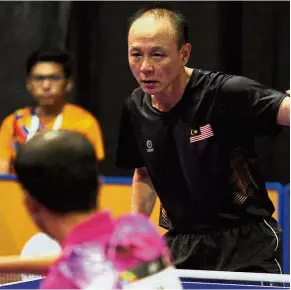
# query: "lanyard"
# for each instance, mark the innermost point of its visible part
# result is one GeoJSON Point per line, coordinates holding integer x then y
{"type": "Point", "coordinates": [35, 123]}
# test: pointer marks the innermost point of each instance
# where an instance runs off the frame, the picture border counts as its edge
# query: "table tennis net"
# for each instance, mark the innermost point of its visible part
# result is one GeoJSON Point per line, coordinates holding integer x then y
{"type": "Point", "coordinates": [6, 278]}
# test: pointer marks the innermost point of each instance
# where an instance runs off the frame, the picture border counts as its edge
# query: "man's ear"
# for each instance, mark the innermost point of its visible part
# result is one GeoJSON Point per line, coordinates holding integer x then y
{"type": "Point", "coordinates": [28, 85]}
{"type": "Point", "coordinates": [69, 86]}
{"type": "Point", "coordinates": [186, 51]}
{"type": "Point", "coordinates": [31, 204]}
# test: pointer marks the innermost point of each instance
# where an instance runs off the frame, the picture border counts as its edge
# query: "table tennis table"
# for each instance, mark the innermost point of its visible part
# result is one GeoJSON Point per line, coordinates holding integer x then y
{"type": "Point", "coordinates": [193, 279]}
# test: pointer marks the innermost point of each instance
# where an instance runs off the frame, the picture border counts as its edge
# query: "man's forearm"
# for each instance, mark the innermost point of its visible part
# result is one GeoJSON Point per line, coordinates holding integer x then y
{"type": "Point", "coordinates": [283, 117]}
{"type": "Point", "coordinates": [143, 193]}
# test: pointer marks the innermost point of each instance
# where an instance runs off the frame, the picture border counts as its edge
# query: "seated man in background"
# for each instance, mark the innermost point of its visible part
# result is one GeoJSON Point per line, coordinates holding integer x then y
{"type": "Point", "coordinates": [58, 172]}
{"type": "Point", "coordinates": [49, 82]}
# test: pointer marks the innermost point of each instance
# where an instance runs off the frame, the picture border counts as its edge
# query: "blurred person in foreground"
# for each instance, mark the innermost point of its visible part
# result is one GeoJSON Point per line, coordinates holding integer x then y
{"type": "Point", "coordinates": [49, 82]}
{"type": "Point", "coordinates": [58, 172]}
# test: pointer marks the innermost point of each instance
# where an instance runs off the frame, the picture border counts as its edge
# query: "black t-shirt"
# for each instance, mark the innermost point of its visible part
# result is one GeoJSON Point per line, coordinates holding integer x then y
{"type": "Point", "coordinates": [200, 155]}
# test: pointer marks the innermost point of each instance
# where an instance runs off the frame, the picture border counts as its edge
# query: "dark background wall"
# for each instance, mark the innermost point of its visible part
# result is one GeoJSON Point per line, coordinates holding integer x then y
{"type": "Point", "coordinates": [244, 38]}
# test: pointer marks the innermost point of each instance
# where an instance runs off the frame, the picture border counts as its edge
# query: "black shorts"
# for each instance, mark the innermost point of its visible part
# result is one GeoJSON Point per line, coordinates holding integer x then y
{"type": "Point", "coordinates": [253, 247]}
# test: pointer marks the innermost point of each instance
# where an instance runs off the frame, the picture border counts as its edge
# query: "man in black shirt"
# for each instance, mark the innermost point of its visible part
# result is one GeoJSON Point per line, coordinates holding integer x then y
{"type": "Point", "coordinates": [188, 133]}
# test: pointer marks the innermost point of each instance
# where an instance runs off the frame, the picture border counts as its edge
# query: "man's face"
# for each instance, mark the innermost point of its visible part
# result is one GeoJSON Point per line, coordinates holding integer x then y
{"type": "Point", "coordinates": [47, 83]}
{"type": "Point", "coordinates": [153, 54]}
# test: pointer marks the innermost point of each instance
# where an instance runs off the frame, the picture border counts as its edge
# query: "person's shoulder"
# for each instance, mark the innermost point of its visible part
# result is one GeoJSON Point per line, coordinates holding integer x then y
{"type": "Point", "coordinates": [22, 111]}
{"type": "Point", "coordinates": [237, 82]}
{"type": "Point", "coordinates": [17, 114]}
{"type": "Point", "coordinates": [208, 78]}
{"type": "Point", "coordinates": [223, 81]}
{"type": "Point", "coordinates": [78, 111]}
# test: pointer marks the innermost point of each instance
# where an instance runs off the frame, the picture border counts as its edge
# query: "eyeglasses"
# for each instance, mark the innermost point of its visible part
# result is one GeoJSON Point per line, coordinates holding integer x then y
{"type": "Point", "coordinates": [52, 78]}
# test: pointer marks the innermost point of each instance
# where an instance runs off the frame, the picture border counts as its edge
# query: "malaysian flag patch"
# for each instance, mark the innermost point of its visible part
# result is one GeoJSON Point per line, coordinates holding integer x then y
{"type": "Point", "coordinates": [201, 133]}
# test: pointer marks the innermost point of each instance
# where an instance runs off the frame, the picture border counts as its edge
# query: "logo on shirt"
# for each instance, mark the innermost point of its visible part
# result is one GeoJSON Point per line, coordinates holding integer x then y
{"type": "Point", "coordinates": [201, 133]}
{"type": "Point", "coordinates": [149, 146]}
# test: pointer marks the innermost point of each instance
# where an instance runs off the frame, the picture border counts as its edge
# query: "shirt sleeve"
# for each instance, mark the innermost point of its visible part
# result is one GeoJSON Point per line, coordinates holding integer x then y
{"type": "Point", "coordinates": [96, 137]}
{"type": "Point", "coordinates": [128, 155]}
{"type": "Point", "coordinates": [250, 107]}
{"type": "Point", "coordinates": [6, 133]}
{"type": "Point", "coordinates": [89, 127]}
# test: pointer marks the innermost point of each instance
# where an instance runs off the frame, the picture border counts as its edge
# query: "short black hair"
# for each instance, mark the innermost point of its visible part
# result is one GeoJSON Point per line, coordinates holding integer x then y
{"type": "Point", "coordinates": [51, 54]}
{"type": "Point", "coordinates": [161, 10]}
{"type": "Point", "coordinates": [59, 170]}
